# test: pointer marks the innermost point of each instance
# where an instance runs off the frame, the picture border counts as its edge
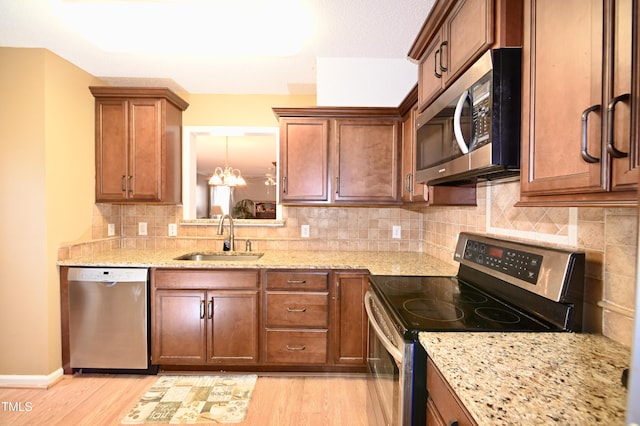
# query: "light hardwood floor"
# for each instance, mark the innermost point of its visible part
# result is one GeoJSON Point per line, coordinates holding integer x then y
{"type": "Point", "coordinates": [104, 400]}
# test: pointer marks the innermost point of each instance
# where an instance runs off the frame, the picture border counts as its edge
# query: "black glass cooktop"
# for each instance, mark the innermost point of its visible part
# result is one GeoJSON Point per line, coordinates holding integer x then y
{"type": "Point", "coordinates": [436, 303]}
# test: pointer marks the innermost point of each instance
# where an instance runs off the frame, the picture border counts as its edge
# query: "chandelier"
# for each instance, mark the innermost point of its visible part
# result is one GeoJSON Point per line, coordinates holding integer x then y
{"type": "Point", "coordinates": [229, 176]}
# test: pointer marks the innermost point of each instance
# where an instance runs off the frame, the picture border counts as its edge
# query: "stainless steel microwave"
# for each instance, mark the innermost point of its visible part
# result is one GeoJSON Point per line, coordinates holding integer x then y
{"type": "Point", "coordinates": [471, 131]}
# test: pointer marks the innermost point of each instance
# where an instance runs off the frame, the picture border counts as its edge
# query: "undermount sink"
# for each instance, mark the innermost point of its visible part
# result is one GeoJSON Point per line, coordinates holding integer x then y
{"type": "Point", "coordinates": [226, 255]}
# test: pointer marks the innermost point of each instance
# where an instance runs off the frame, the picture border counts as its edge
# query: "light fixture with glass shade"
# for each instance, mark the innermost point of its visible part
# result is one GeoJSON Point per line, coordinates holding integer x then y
{"type": "Point", "coordinates": [227, 176]}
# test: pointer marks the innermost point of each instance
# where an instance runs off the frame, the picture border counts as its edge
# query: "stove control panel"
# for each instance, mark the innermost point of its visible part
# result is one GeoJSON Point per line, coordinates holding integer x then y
{"type": "Point", "coordinates": [516, 263]}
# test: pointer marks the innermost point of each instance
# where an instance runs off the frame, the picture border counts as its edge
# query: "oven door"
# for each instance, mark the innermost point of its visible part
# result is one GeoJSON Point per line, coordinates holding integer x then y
{"type": "Point", "coordinates": [385, 375]}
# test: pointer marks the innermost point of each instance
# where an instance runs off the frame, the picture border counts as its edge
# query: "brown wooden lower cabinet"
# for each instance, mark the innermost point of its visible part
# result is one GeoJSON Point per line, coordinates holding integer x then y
{"type": "Point", "coordinates": [350, 319]}
{"type": "Point", "coordinates": [251, 319]}
{"type": "Point", "coordinates": [443, 406]}
{"type": "Point", "coordinates": [204, 317]}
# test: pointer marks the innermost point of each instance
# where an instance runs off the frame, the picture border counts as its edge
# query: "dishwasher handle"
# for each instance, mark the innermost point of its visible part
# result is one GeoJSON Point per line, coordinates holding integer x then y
{"type": "Point", "coordinates": [386, 342]}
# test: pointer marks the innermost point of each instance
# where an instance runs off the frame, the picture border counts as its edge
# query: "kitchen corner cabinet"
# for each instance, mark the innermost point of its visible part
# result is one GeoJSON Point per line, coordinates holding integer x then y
{"type": "Point", "coordinates": [455, 34]}
{"type": "Point", "coordinates": [443, 406]}
{"type": "Point", "coordinates": [204, 317]}
{"type": "Point", "coordinates": [339, 156]}
{"type": "Point", "coordinates": [138, 145]}
{"type": "Point", "coordinates": [350, 324]}
{"type": "Point", "coordinates": [411, 192]}
{"type": "Point", "coordinates": [577, 96]}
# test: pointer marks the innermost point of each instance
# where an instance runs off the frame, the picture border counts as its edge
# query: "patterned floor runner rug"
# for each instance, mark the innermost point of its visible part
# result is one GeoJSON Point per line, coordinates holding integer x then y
{"type": "Point", "coordinates": [194, 399]}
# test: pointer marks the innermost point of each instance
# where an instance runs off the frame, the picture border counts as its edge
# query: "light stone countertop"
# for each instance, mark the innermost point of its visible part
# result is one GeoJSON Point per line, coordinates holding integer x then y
{"type": "Point", "coordinates": [533, 378]}
{"type": "Point", "coordinates": [378, 263]}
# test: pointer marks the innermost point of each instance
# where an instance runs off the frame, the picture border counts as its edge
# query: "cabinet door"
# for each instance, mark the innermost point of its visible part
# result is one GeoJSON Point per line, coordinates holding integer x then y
{"type": "Point", "coordinates": [431, 72]}
{"type": "Point", "coordinates": [468, 32]}
{"type": "Point", "coordinates": [562, 78]}
{"type": "Point", "coordinates": [304, 151]}
{"type": "Point", "coordinates": [233, 324]}
{"type": "Point", "coordinates": [111, 149]}
{"type": "Point", "coordinates": [411, 191]}
{"type": "Point", "coordinates": [444, 406]}
{"type": "Point", "coordinates": [350, 322]}
{"type": "Point", "coordinates": [624, 174]}
{"type": "Point", "coordinates": [178, 327]}
{"type": "Point", "coordinates": [145, 144]}
{"type": "Point", "coordinates": [367, 163]}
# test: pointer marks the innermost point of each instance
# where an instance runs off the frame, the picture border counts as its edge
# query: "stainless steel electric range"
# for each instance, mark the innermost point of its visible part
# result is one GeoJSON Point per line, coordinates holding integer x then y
{"type": "Point", "coordinates": [501, 286]}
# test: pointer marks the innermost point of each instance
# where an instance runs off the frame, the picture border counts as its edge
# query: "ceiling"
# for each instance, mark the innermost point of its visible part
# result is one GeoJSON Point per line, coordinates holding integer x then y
{"type": "Point", "coordinates": [337, 29]}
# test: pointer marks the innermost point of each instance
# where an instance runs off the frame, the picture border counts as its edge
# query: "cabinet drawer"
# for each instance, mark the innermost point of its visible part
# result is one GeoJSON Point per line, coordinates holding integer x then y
{"type": "Point", "coordinates": [297, 347]}
{"type": "Point", "coordinates": [298, 310]}
{"type": "Point", "coordinates": [443, 400]}
{"type": "Point", "coordinates": [283, 280]}
{"type": "Point", "coordinates": [204, 279]}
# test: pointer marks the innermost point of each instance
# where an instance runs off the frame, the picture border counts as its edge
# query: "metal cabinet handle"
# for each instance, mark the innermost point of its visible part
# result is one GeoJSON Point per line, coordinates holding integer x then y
{"type": "Point", "coordinates": [407, 182]}
{"type": "Point", "coordinates": [129, 185]}
{"type": "Point", "coordinates": [202, 309]}
{"type": "Point", "coordinates": [585, 155]}
{"type": "Point", "coordinates": [442, 67]}
{"type": "Point", "coordinates": [296, 281]}
{"type": "Point", "coordinates": [210, 309]}
{"type": "Point", "coordinates": [284, 184]}
{"type": "Point", "coordinates": [453, 422]}
{"type": "Point", "coordinates": [338, 185]}
{"type": "Point", "coordinates": [123, 184]}
{"type": "Point", "coordinates": [435, 64]}
{"type": "Point", "coordinates": [296, 348]}
{"type": "Point", "coordinates": [611, 108]}
{"type": "Point", "coordinates": [297, 310]}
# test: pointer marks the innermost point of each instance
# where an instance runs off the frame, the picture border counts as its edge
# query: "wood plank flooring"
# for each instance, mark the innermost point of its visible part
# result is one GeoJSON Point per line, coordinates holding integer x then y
{"type": "Point", "coordinates": [277, 400]}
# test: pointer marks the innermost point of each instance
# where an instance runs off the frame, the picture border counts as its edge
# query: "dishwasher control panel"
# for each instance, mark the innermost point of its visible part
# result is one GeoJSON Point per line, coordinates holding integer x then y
{"type": "Point", "coordinates": [108, 274]}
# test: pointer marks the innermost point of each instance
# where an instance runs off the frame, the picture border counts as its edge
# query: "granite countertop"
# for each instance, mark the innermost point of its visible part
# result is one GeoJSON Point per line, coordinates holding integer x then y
{"type": "Point", "coordinates": [377, 263]}
{"type": "Point", "coordinates": [533, 378]}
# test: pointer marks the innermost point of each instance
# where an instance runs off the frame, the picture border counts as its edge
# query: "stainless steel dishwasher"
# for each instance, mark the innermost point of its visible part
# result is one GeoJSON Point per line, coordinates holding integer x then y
{"type": "Point", "coordinates": [108, 318]}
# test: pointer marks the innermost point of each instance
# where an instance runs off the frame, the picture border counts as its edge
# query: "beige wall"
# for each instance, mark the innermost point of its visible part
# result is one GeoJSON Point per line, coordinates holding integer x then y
{"type": "Point", "coordinates": [46, 182]}
{"type": "Point", "coordinates": [239, 110]}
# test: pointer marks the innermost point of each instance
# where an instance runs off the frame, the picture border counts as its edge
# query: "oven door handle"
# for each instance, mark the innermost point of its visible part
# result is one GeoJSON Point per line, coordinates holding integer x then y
{"type": "Point", "coordinates": [388, 345]}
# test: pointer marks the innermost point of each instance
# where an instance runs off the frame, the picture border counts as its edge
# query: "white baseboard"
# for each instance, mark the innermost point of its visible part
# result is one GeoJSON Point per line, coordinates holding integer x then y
{"type": "Point", "coordinates": [29, 381]}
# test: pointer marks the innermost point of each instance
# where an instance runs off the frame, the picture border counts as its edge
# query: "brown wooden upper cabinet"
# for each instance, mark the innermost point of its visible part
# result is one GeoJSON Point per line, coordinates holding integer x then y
{"type": "Point", "coordinates": [577, 96]}
{"type": "Point", "coordinates": [455, 34]}
{"type": "Point", "coordinates": [138, 145]}
{"type": "Point", "coordinates": [343, 156]}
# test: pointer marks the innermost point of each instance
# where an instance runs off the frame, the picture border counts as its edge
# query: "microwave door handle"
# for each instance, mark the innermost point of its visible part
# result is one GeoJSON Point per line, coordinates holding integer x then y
{"type": "Point", "coordinates": [388, 345]}
{"type": "Point", "coordinates": [457, 129]}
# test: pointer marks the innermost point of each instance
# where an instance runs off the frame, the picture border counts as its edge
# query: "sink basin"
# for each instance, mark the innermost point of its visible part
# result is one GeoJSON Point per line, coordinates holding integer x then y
{"type": "Point", "coordinates": [217, 256]}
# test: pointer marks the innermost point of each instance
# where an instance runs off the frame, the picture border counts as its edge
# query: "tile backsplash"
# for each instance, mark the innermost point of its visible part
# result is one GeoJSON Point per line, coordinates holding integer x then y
{"type": "Point", "coordinates": [607, 235]}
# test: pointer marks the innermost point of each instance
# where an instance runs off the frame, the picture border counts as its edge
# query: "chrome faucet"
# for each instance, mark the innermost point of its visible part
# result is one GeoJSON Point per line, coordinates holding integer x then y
{"type": "Point", "coordinates": [232, 244]}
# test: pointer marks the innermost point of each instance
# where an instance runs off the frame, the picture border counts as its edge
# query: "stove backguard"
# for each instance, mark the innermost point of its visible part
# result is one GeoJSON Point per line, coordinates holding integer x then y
{"type": "Point", "coordinates": [553, 279]}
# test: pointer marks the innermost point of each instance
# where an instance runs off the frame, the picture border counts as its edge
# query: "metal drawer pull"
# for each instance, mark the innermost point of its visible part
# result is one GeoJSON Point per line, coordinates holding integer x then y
{"type": "Point", "coordinates": [585, 155]}
{"type": "Point", "coordinates": [442, 45]}
{"type": "Point", "coordinates": [611, 108]}
{"type": "Point", "coordinates": [296, 281]}
{"type": "Point", "coordinates": [296, 348]}
{"type": "Point", "coordinates": [435, 64]}
{"type": "Point", "coordinates": [202, 309]}
{"type": "Point", "coordinates": [296, 310]}
{"type": "Point", "coordinates": [210, 309]}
